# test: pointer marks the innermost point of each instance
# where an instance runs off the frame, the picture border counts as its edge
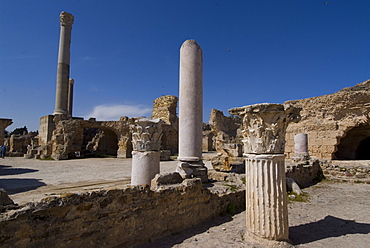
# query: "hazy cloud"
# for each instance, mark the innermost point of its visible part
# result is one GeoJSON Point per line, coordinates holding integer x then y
{"type": "Point", "coordinates": [114, 112]}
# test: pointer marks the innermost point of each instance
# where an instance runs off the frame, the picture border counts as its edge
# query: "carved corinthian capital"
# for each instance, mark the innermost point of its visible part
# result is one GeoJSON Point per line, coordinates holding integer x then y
{"type": "Point", "coordinates": [264, 126]}
{"type": "Point", "coordinates": [66, 19]}
{"type": "Point", "coordinates": [146, 134]}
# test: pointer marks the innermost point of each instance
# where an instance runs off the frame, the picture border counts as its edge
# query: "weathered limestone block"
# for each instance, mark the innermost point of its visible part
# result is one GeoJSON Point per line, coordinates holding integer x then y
{"type": "Point", "coordinates": [164, 108]}
{"type": "Point", "coordinates": [4, 123]}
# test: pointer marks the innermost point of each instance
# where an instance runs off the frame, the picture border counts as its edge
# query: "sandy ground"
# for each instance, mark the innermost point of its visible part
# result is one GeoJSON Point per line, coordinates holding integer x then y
{"type": "Point", "coordinates": [336, 214]}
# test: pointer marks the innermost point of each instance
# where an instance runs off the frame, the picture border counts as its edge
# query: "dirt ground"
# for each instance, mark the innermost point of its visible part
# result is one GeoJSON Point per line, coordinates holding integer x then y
{"type": "Point", "coordinates": [335, 215]}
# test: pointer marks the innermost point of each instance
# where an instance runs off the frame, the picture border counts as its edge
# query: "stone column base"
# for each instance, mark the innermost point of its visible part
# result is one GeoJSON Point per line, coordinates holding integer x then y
{"type": "Point", "coordinates": [251, 238]}
{"type": "Point", "coordinates": [266, 204]}
{"type": "Point", "coordinates": [145, 165]}
{"type": "Point", "coordinates": [193, 169]}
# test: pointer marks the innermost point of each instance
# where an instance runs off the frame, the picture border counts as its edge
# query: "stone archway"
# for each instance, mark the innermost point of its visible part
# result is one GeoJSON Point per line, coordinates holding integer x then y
{"type": "Point", "coordinates": [100, 142]}
{"type": "Point", "coordinates": [355, 144]}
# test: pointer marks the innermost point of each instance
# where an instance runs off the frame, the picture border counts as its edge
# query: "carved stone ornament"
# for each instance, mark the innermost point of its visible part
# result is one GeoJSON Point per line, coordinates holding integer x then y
{"type": "Point", "coordinates": [146, 134]}
{"type": "Point", "coordinates": [264, 126]}
{"type": "Point", "coordinates": [66, 19]}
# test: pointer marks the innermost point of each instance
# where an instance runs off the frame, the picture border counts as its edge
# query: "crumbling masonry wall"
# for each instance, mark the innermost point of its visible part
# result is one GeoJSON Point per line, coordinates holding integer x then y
{"type": "Point", "coordinates": [115, 218]}
{"type": "Point", "coordinates": [328, 121]}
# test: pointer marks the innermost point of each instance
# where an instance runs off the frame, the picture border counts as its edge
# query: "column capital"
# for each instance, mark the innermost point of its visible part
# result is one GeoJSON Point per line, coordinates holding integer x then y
{"type": "Point", "coordinates": [264, 126]}
{"type": "Point", "coordinates": [146, 134]}
{"type": "Point", "coordinates": [71, 81]}
{"type": "Point", "coordinates": [66, 19]}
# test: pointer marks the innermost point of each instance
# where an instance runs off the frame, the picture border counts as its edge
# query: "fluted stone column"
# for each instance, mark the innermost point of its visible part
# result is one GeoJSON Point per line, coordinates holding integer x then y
{"type": "Point", "coordinates": [70, 96]}
{"type": "Point", "coordinates": [264, 127]}
{"type": "Point", "coordinates": [301, 146]}
{"type": "Point", "coordinates": [191, 112]}
{"type": "Point", "coordinates": [4, 123]}
{"type": "Point", "coordinates": [146, 143]}
{"type": "Point", "coordinates": [61, 96]}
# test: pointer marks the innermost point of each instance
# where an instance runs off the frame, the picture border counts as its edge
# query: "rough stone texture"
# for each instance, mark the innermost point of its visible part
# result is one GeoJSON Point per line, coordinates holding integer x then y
{"type": "Point", "coordinates": [346, 171]}
{"type": "Point", "coordinates": [337, 124]}
{"type": "Point", "coordinates": [304, 174]}
{"type": "Point", "coordinates": [118, 217]}
{"type": "Point", "coordinates": [19, 143]}
{"type": "Point", "coordinates": [207, 141]}
{"type": "Point", "coordinates": [68, 136]}
{"type": "Point", "coordinates": [227, 133]}
{"type": "Point", "coordinates": [4, 123]}
{"type": "Point", "coordinates": [164, 179]}
{"type": "Point", "coordinates": [164, 108]}
{"type": "Point", "coordinates": [5, 202]}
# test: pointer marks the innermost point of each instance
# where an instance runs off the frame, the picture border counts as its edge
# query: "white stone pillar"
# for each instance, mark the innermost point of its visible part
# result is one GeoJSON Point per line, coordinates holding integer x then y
{"type": "Point", "coordinates": [70, 96]}
{"type": "Point", "coordinates": [61, 96]}
{"type": "Point", "coordinates": [191, 112]}
{"type": "Point", "coordinates": [264, 127]}
{"type": "Point", "coordinates": [146, 143]}
{"type": "Point", "coordinates": [301, 146]}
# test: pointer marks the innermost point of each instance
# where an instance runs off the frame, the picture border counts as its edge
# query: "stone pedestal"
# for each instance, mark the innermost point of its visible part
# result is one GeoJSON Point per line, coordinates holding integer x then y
{"type": "Point", "coordinates": [264, 127]}
{"type": "Point", "coordinates": [191, 112]}
{"type": "Point", "coordinates": [61, 96]}
{"type": "Point", "coordinates": [146, 142]}
{"type": "Point", "coordinates": [145, 165]}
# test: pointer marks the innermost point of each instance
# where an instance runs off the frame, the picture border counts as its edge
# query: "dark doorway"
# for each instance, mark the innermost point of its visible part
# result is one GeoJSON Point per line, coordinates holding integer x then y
{"type": "Point", "coordinates": [355, 145]}
{"type": "Point", "coordinates": [363, 150]}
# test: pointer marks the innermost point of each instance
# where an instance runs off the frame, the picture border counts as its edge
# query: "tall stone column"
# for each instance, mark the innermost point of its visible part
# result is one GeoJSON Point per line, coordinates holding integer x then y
{"type": "Point", "coordinates": [264, 127]}
{"type": "Point", "coordinates": [70, 96]}
{"type": "Point", "coordinates": [146, 142]}
{"type": "Point", "coordinates": [61, 96]}
{"type": "Point", "coordinates": [191, 112]}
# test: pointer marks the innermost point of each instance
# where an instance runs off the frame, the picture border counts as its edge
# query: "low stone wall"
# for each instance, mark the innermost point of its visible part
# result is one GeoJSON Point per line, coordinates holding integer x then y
{"type": "Point", "coordinates": [305, 174]}
{"type": "Point", "coordinates": [346, 173]}
{"type": "Point", "coordinates": [118, 217]}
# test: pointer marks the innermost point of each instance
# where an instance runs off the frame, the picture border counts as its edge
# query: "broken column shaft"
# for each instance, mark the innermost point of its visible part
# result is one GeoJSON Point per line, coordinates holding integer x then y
{"type": "Point", "coordinates": [146, 144]}
{"type": "Point", "coordinates": [191, 112]}
{"type": "Point", "coordinates": [61, 96]}
{"type": "Point", "coordinates": [70, 96]}
{"type": "Point", "coordinates": [264, 127]}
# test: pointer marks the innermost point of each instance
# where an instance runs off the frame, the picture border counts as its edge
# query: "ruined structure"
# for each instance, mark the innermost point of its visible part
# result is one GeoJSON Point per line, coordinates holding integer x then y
{"type": "Point", "coordinates": [337, 125]}
{"type": "Point", "coordinates": [4, 123]}
{"type": "Point", "coordinates": [164, 108]}
{"type": "Point", "coordinates": [264, 127]}
{"type": "Point", "coordinates": [191, 112]}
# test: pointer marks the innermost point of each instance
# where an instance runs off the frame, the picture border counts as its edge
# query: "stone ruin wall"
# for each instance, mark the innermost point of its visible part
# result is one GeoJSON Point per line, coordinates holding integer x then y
{"type": "Point", "coordinates": [164, 108]}
{"type": "Point", "coordinates": [62, 137]}
{"type": "Point", "coordinates": [117, 217]}
{"type": "Point", "coordinates": [329, 118]}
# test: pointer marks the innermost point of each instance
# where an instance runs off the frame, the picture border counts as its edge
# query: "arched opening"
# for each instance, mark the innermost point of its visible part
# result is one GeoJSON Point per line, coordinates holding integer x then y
{"type": "Point", "coordinates": [363, 150]}
{"type": "Point", "coordinates": [99, 143]}
{"type": "Point", "coordinates": [355, 145]}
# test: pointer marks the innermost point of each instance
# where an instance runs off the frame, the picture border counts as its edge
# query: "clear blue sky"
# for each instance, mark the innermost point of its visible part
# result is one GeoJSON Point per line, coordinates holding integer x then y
{"type": "Point", "coordinates": [124, 54]}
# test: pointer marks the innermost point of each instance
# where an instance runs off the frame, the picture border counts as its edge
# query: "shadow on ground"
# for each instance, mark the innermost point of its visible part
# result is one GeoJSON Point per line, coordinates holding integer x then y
{"type": "Point", "coordinates": [8, 170]}
{"type": "Point", "coordinates": [326, 228]}
{"type": "Point", "coordinates": [178, 237]}
{"type": "Point", "coordinates": [19, 185]}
